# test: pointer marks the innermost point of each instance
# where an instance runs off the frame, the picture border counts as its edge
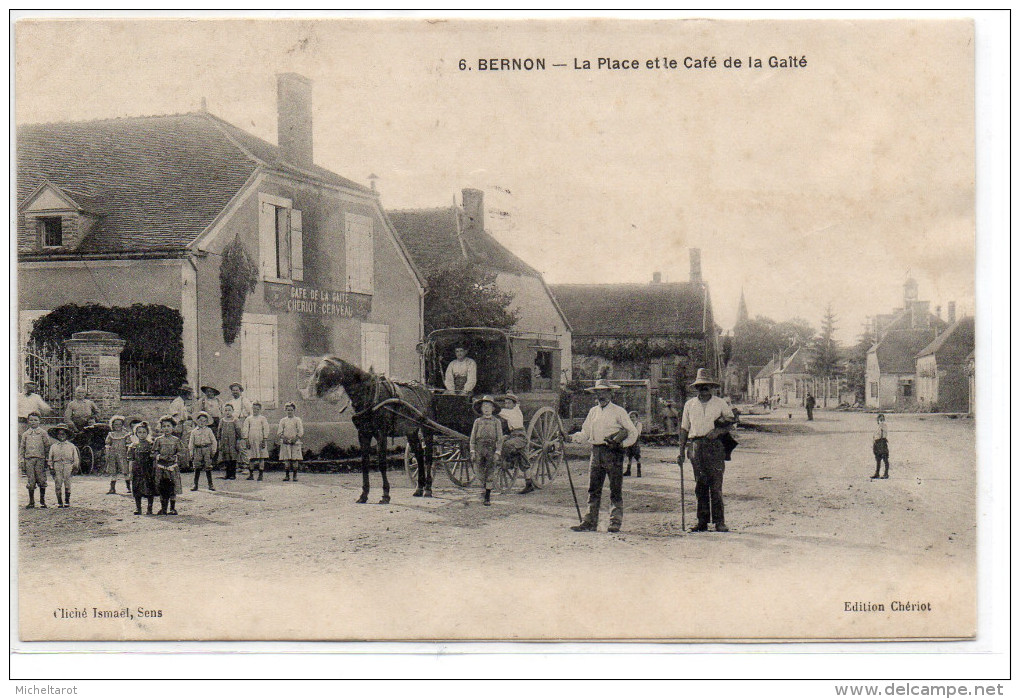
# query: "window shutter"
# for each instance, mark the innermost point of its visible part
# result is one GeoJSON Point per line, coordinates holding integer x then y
{"type": "Point", "coordinates": [268, 364]}
{"type": "Point", "coordinates": [353, 245]}
{"type": "Point", "coordinates": [267, 240]}
{"type": "Point", "coordinates": [367, 258]}
{"type": "Point", "coordinates": [296, 247]}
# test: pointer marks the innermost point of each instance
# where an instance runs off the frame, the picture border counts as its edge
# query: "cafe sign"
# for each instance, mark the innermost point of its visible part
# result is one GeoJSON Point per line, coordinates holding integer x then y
{"type": "Point", "coordinates": [317, 301]}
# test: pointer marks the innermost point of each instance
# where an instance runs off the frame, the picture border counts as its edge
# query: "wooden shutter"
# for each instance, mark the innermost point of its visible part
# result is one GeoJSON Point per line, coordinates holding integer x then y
{"type": "Point", "coordinates": [268, 361]}
{"type": "Point", "coordinates": [267, 240]}
{"type": "Point", "coordinates": [375, 348]}
{"type": "Point", "coordinates": [297, 265]}
{"type": "Point", "coordinates": [360, 254]}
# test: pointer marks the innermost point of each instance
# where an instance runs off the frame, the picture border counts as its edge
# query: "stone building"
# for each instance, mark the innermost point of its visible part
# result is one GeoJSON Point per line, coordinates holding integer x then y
{"type": "Point", "coordinates": [662, 332]}
{"type": "Point", "coordinates": [436, 237]}
{"type": "Point", "coordinates": [943, 366]}
{"type": "Point", "coordinates": [890, 369]}
{"type": "Point", "coordinates": [142, 210]}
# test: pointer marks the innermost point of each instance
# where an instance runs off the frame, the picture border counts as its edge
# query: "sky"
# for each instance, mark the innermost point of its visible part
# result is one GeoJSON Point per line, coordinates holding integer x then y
{"type": "Point", "coordinates": [823, 184]}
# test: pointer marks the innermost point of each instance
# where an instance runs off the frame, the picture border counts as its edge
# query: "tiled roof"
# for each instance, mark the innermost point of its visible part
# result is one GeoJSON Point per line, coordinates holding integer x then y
{"type": "Point", "coordinates": [640, 310]}
{"type": "Point", "coordinates": [955, 345]}
{"type": "Point", "coordinates": [797, 363]}
{"type": "Point", "coordinates": [767, 370]}
{"type": "Point", "coordinates": [156, 182]}
{"type": "Point", "coordinates": [898, 348]}
{"type": "Point", "coordinates": [430, 236]}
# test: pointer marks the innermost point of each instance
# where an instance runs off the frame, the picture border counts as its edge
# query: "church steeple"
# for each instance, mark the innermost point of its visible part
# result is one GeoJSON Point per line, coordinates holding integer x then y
{"type": "Point", "coordinates": [742, 315]}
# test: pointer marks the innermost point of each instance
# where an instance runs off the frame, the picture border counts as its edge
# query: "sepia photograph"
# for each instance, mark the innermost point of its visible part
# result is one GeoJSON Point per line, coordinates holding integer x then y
{"type": "Point", "coordinates": [363, 329]}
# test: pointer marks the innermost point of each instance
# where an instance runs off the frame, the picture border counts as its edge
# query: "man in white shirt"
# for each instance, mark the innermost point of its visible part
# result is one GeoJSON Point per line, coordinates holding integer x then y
{"type": "Point", "coordinates": [179, 409]}
{"type": "Point", "coordinates": [609, 430]}
{"type": "Point", "coordinates": [31, 402]}
{"type": "Point", "coordinates": [462, 373]}
{"type": "Point", "coordinates": [699, 441]}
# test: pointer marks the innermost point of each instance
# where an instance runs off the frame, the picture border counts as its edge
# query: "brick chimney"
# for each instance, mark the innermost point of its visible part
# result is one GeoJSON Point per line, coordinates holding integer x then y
{"type": "Point", "coordinates": [696, 265]}
{"type": "Point", "coordinates": [474, 209]}
{"type": "Point", "coordinates": [952, 312]}
{"type": "Point", "coordinates": [294, 118]}
{"type": "Point", "coordinates": [656, 277]}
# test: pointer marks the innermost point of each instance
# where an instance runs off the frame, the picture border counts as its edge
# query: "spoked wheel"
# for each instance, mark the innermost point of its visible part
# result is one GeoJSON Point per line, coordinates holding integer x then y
{"type": "Point", "coordinates": [411, 465]}
{"type": "Point", "coordinates": [545, 446]}
{"type": "Point", "coordinates": [457, 460]}
{"type": "Point", "coordinates": [88, 460]}
{"type": "Point", "coordinates": [506, 475]}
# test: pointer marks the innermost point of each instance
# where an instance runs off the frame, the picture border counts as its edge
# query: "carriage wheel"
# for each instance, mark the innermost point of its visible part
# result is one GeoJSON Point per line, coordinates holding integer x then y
{"type": "Point", "coordinates": [545, 446]}
{"type": "Point", "coordinates": [411, 465]}
{"type": "Point", "coordinates": [506, 475]}
{"type": "Point", "coordinates": [457, 461]}
{"type": "Point", "coordinates": [88, 460]}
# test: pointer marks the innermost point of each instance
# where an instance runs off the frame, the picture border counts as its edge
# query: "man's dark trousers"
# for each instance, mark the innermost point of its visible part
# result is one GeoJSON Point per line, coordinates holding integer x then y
{"type": "Point", "coordinates": [708, 458]}
{"type": "Point", "coordinates": [605, 461]}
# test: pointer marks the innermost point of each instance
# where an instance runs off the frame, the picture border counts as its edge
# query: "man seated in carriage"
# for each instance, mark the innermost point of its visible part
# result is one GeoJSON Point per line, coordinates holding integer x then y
{"type": "Point", "coordinates": [462, 373]}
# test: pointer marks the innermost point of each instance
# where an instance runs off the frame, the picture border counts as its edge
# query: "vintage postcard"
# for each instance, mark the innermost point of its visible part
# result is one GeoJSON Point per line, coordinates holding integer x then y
{"type": "Point", "coordinates": [407, 329]}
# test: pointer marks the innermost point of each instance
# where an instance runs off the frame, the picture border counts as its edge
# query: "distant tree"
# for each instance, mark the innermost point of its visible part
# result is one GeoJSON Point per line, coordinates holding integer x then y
{"type": "Point", "coordinates": [825, 355]}
{"type": "Point", "coordinates": [464, 295]}
{"type": "Point", "coordinates": [857, 362]}
{"type": "Point", "coordinates": [796, 332]}
{"type": "Point", "coordinates": [757, 341]}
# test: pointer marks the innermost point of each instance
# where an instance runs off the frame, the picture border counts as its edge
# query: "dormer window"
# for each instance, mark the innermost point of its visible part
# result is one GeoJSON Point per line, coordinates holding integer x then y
{"type": "Point", "coordinates": [51, 231]}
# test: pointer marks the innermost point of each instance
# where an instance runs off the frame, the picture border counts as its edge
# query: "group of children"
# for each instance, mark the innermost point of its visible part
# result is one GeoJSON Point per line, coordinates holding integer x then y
{"type": "Point", "coordinates": [498, 434]}
{"type": "Point", "coordinates": [151, 459]}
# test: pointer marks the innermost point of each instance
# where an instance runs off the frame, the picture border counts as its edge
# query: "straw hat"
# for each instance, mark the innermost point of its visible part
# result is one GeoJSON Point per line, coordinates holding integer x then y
{"type": "Point", "coordinates": [202, 413]}
{"type": "Point", "coordinates": [477, 405]}
{"type": "Point", "coordinates": [117, 417]}
{"type": "Point", "coordinates": [168, 418]}
{"type": "Point", "coordinates": [602, 385]}
{"type": "Point", "coordinates": [210, 388]}
{"type": "Point", "coordinates": [53, 431]}
{"type": "Point", "coordinates": [511, 396]}
{"type": "Point", "coordinates": [240, 387]}
{"type": "Point", "coordinates": [703, 379]}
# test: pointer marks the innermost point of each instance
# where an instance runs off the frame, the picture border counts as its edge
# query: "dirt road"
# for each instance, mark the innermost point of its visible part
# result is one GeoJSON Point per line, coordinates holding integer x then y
{"type": "Point", "coordinates": [811, 534]}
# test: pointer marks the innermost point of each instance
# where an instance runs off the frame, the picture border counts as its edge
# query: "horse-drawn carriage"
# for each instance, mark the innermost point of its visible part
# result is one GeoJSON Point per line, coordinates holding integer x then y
{"type": "Point", "coordinates": [437, 422]}
{"type": "Point", "coordinates": [526, 364]}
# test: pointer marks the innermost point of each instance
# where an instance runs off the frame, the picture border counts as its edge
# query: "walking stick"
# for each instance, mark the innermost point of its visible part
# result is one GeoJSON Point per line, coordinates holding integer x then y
{"type": "Point", "coordinates": [570, 478]}
{"type": "Point", "coordinates": [573, 492]}
{"type": "Point", "coordinates": [683, 510]}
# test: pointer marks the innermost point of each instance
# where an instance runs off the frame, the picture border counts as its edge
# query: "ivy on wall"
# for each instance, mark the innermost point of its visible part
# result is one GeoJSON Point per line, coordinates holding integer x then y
{"type": "Point", "coordinates": [152, 333]}
{"type": "Point", "coordinates": [631, 349]}
{"type": "Point", "coordinates": [239, 276]}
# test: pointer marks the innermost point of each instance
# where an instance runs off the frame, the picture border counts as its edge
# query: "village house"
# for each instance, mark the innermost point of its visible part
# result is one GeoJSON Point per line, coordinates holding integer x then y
{"type": "Point", "coordinates": [890, 369]}
{"type": "Point", "coordinates": [660, 332]}
{"type": "Point", "coordinates": [943, 380]}
{"type": "Point", "coordinates": [148, 210]}
{"type": "Point", "coordinates": [437, 237]}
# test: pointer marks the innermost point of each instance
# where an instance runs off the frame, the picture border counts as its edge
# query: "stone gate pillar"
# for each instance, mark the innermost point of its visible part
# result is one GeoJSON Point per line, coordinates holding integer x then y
{"type": "Point", "coordinates": [98, 355]}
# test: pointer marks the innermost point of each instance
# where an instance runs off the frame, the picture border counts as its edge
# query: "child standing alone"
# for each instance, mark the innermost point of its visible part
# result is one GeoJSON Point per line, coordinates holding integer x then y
{"type": "Point", "coordinates": [256, 434]}
{"type": "Point", "coordinates": [290, 431]}
{"type": "Point", "coordinates": [117, 454]}
{"type": "Point", "coordinates": [486, 443]}
{"type": "Point", "coordinates": [880, 447]}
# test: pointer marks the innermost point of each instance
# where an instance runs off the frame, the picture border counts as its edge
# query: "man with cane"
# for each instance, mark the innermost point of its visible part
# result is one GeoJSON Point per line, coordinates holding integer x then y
{"type": "Point", "coordinates": [705, 419]}
{"type": "Point", "coordinates": [609, 430]}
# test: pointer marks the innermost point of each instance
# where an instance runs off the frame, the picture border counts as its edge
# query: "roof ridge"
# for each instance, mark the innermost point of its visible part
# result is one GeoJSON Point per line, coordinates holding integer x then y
{"type": "Point", "coordinates": [220, 122]}
{"type": "Point", "coordinates": [105, 119]}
